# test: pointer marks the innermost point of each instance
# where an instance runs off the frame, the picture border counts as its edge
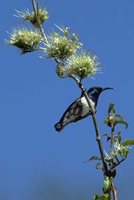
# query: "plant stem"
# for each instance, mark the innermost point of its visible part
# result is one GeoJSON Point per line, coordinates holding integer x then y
{"type": "Point", "coordinates": [111, 140]}
{"type": "Point", "coordinates": [36, 9]}
{"type": "Point", "coordinates": [114, 192]}
{"type": "Point", "coordinates": [111, 147]}
{"type": "Point", "coordinates": [115, 165]}
{"type": "Point", "coordinates": [98, 139]}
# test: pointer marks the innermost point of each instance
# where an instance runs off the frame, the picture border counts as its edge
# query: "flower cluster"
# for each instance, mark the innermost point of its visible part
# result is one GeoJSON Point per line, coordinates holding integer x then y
{"type": "Point", "coordinates": [26, 40]}
{"type": "Point", "coordinates": [41, 15]}
{"type": "Point", "coordinates": [61, 46]}
{"type": "Point", "coordinates": [82, 65]}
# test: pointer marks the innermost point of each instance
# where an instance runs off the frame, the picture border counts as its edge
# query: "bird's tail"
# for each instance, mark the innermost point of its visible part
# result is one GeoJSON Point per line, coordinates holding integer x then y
{"type": "Point", "coordinates": [59, 126]}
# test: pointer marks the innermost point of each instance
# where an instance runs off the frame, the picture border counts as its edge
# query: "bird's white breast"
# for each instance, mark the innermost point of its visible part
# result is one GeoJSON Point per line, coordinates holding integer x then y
{"type": "Point", "coordinates": [86, 108]}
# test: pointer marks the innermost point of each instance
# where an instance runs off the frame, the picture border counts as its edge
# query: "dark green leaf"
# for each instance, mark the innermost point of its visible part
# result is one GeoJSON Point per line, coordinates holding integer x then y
{"type": "Point", "coordinates": [121, 122]}
{"type": "Point", "coordinates": [119, 116]}
{"type": "Point", "coordinates": [111, 108]}
{"type": "Point", "coordinates": [102, 197]}
{"type": "Point", "coordinates": [99, 166]}
{"type": "Point", "coordinates": [108, 136]}
{"type": "Point", "coordinates": [107, 185]}
{"type": "Point", "coordinates": [128, 142]}
{"type": "Point", "coordinates": [117, 137]}
{"type": "Point", "coordinates": [116, 158]}
{"type": "Point", "coordinates": [105, 134]}
{"type": "Point", "coordinates": [93, 158]}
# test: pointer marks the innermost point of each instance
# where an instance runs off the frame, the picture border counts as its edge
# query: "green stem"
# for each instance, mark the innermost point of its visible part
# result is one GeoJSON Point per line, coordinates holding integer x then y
{"type": "Point", "coordinates": [111, 146]}
{"type": "Point", "coordinates": [113, 190]}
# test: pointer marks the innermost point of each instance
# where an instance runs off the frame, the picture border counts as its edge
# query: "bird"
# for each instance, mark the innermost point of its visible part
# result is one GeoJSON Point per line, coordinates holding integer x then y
{"type": "Point", "coordinates": [80, 109]}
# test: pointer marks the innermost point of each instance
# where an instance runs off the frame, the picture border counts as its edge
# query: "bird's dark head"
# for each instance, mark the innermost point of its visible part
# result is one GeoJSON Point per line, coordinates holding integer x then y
{"type": "Point", "coordinates": [94, 92]}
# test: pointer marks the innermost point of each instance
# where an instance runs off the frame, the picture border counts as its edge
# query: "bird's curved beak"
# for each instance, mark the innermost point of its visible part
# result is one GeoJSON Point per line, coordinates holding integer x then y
{"type": "Point", "coordinates": [107, 88]}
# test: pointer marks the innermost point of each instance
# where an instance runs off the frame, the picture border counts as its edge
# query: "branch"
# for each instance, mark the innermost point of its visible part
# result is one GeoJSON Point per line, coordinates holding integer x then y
{"type": "Point", "coordinates": [114, 192]}
{"type": "Point", "coordinates": [98, 139]}
{"type": "Point", "coordinates": [36, 10]}
{"type": "Point", "coordinates": [115, 165]}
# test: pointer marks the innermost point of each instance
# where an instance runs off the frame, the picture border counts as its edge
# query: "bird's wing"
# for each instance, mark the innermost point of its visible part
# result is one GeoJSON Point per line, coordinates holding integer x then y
{"type": "Point", "coordinates": [72, 113]}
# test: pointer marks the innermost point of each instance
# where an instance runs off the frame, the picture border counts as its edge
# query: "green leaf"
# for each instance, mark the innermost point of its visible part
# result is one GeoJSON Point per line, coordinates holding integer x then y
{"type": "Point", "coordinates": [111, 108]}
{"type": "Point", "coordinates": [121, 122]}
{"type": "Point", "coordinates": [128, 142]}
{"type": "Point", "coordinates": [93, 158]}
{"type": "Point", "coordinates": [102, 197]}
{"type": "Point", "coordinates": [119, 116]}
{"type": "Point", "coordinates": [118, 137]}
{"type": "Point", "coordinates": [105, 134]}
{"type": "Point", "coordinates": [99, 166]}
{"type": "Point", "coordinates": [107, 185]}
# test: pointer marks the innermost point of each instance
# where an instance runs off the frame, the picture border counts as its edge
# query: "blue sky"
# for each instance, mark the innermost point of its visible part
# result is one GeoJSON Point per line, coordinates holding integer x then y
{"type": "Point", "coordinates": [34, 159]}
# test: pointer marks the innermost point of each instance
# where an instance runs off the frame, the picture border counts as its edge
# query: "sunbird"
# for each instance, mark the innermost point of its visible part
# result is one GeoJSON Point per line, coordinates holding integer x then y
{"type": "Point", "coordinates": [80, 109]}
